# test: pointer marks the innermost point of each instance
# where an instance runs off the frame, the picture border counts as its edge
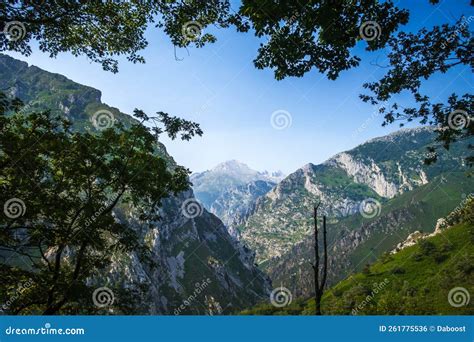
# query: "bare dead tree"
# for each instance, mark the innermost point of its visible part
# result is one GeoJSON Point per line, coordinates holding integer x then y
{"type": "Point", "coordinates": [319, 285]}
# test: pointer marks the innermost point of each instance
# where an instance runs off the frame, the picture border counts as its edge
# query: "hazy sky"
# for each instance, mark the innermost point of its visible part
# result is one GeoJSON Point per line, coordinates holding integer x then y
{"type": "Point", "coordinates": [219, 87]}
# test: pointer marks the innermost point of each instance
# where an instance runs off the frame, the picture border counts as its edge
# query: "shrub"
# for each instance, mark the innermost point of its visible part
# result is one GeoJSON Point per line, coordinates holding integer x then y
{"type": "Point", "coordinates": [397, 270]}
{"type": "Point", "coordinates": [427, 247]}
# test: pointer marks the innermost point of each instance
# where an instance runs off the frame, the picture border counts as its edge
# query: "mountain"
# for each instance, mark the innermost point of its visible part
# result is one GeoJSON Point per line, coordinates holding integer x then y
{"type": "Point", "coordinates": [374, 196]}
{"type": "Point", "coordinates": [433, 276]}
{"type": "Point", "coordinates": [355, 241]}
{"type": "Point", "coordinates": [230, 190]}
{"type": "Point", "coordinates": [187, 252]}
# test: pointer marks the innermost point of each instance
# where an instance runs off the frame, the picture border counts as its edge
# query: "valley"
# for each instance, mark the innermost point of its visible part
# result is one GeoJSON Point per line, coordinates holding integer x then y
{"type": "Point", "coordinates": [386, 174]}
{"type": "Point", "coordinates": [238, 233]}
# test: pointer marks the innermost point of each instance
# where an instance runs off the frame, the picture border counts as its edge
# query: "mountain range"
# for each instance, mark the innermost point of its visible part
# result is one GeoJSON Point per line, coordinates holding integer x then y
{"type": "Point", "coordinates": [374, 196]}
{"type": "Point", "coordinates": [187, 251]}
{"type": "Point", "coordinates": [255, 227]}
{"type": "Point", "coordinates": [231, 189]}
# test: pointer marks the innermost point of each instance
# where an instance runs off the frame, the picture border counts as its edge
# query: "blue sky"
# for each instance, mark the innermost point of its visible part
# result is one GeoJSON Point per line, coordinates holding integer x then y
{"type": "Point", "coordinates": [219, 87]}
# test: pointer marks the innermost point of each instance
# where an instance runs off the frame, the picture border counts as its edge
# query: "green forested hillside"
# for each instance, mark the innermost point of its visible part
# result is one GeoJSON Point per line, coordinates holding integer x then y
{"type": "Point", "coordinates": [416, 280]}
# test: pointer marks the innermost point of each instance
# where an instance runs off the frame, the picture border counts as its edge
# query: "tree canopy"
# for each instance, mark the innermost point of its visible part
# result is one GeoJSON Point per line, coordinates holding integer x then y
{"type": "Point", "coordinates": [104, 30]}
{"type": "Point", "coordinates": [297, 37]}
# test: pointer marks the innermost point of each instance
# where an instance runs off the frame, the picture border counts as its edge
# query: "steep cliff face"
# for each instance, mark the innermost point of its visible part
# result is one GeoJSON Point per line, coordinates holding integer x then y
{"type": "Point", "coordinates": [238, 202]}
{"type": "Point", "coordinates": [187, 252]}
{"type": "Point", "coordinates": [193, 255]}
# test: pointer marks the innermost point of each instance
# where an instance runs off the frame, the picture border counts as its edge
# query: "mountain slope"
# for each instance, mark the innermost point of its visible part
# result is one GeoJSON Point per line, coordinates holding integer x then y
{"type": "Point", "coordinates": [433, 277]}
{"type": "Point", "coordinates": [230, 190]}
{"type": "Point", "coordinates": [376, 171]}
{"type": "Point", "coordinates": [388, 173]}
{"type": "Point", "coordinates": [355, 241]}
{"type": "Point", "coordinates": [187, 251]}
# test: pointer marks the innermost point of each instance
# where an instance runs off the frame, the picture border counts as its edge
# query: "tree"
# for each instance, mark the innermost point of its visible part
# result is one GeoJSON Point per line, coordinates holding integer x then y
{"type": "Point", "coordinates": [319, 285]}
{"type": "Point", "coordinates": [300, 36]}
{"type": "Point", "coordinates": [321, 34]}
{"type": "Point", "coordinates": [104, 30]}
{"type": "Point", "coordinates": [60, 190]}
{"type": "Point", "coordinates": [415, 57]}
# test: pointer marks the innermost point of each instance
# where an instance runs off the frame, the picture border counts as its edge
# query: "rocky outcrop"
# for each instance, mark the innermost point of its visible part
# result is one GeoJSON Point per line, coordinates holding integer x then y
{"type": "Point", "coordinates": [366, 173]}
{"type": "Point", "coordinates": [238, 202]}
{"type": "Point", "coordinates": [186, 251]}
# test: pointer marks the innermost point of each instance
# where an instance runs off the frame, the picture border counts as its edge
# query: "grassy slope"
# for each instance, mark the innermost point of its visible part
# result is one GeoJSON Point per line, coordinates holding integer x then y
{"type": "Point", "coordinates": [409, 282]}
{"type": "Point", "coordinates": [426, 204]}
{"type": "Point", "coordinates": [418, 209]}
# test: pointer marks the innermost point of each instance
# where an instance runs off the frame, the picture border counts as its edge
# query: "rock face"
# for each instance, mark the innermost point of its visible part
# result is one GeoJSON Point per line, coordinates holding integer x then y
{"type": "Point", "coordinates": [197, 267]}
{"type": "Point", "coordinates": [237, 203]}
{"type": "Point", "coordinates": [386, 172]}
{"type": "Point", "coordinates": [355, 241]}
{"type": "Point", "coordinates": [231, 189]}
{"type": "Point", "coordinates": [188, 251]}
{"type": "Point", "coordinates": [376, 171]}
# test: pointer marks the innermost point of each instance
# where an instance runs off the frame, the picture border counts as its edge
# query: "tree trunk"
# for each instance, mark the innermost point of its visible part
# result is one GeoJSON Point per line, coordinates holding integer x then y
{"type": "Point", "coordinates": [319, 286]}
